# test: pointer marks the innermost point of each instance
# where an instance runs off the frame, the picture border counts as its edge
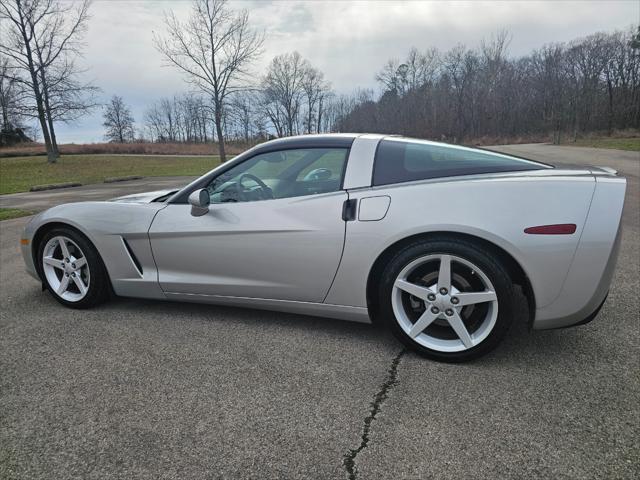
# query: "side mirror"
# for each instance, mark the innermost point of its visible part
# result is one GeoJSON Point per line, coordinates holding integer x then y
{"type": "Point", "coordinates": [199, 201]}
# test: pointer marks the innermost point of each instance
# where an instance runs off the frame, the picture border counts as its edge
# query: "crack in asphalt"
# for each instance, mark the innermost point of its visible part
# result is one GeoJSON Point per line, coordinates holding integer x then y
{"type": "Point", "coordinates": [349, 461]}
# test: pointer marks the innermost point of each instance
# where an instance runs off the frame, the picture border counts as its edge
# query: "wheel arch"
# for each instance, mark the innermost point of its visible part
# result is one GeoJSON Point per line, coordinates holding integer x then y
{"type": "Point", "coordinates": [47, 227]}
{"type": "Point", "coordinates": [516, 272]}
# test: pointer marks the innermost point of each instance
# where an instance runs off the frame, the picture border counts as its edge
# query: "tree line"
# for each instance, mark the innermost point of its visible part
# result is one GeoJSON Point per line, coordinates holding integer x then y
{"type": "Point", "coordinates": [292, 98]}
{"type": "Point", "coordinates": [589, 84]}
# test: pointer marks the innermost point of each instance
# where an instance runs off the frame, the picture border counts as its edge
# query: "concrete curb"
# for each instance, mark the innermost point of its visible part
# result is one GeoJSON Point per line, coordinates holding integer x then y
{"type": "Point", "coordinates": [54, 186]}
{"type": "Point", "coordinates": [122, 179]}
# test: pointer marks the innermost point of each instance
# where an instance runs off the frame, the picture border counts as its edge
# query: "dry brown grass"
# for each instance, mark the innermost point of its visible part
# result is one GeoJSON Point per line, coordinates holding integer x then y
{"type": "Point", "coordinates": [191, 149]}
{"type": "Point", "coordinates": [487, 140]}
{"type": "Point", "coordinates": [565, 138]}
{"type": "Point", "coordinates": [235, 148]}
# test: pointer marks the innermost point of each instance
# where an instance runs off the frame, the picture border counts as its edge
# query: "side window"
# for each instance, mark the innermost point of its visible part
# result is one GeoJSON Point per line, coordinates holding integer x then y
{"type": "Point", "coordinates": [281, 174]}
{"type": "Point", "coordinates": [400, 161]}
{"type": "Point", "coordinates": [328, 167]}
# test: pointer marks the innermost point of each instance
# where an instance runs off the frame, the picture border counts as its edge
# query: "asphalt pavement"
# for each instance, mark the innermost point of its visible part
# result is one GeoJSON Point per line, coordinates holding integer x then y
{"type": "Point", "coordinates": [140, 389]}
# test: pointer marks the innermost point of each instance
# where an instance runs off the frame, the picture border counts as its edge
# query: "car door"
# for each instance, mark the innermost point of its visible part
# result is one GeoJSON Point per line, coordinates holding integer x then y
{"type": "Point", "coordinates": [274, 230]}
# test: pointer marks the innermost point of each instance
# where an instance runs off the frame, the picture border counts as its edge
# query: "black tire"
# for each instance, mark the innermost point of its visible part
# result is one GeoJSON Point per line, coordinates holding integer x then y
{"type": "Point", "coordinates": [492, 268]}
{"type": "Point", "coordinates": [99, 287]}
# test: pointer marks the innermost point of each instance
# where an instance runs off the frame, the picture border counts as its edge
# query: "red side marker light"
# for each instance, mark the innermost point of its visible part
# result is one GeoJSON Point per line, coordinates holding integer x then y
{"type": "Point", "coordinates": [559, 229]}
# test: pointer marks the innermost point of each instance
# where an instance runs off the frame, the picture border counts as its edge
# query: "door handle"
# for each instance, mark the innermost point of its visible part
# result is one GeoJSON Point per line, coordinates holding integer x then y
{"type": "Point", "coordinates": [349, 210]}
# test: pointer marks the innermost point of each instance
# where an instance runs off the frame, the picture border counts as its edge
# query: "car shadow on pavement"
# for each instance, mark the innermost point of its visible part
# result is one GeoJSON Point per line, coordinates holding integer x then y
{"type": "Point", "coordinates": [522, 346]}
{"type": "Point", "coordinates": [248, 316]}
{"type": "Point", "coordinates": [530, 348]}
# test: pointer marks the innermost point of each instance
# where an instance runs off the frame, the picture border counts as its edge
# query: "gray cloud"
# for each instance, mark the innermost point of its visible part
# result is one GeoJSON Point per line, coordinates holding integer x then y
{"type": "Point", "coordinates": [349, 41]}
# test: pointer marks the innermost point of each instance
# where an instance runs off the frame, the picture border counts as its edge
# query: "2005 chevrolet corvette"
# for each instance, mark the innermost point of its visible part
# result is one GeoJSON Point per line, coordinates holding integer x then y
{"type": "Point", "coordinates": [427, 238]}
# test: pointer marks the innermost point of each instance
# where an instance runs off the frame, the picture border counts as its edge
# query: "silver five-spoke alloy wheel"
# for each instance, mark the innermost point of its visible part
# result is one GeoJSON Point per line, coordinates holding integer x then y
{"type": "Point", "coordinates": [444, 303]}
{"type": "Point", "coordinates": [65, 268]}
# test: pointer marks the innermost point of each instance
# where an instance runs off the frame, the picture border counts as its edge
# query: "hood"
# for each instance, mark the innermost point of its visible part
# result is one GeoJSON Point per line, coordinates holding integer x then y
{"type": "Point", "coordinates": [146, 197]}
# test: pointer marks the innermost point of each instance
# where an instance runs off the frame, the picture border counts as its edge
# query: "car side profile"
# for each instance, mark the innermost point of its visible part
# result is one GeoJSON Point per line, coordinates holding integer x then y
{"type": "Point", "coordinates": [429, 239]}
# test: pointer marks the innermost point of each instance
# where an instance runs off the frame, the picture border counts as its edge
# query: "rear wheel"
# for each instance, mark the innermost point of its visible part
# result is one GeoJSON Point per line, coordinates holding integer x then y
{"type": "Point", "coordinates": [448, 299]}
{"type": "Point", "coordinates": [72, 269]}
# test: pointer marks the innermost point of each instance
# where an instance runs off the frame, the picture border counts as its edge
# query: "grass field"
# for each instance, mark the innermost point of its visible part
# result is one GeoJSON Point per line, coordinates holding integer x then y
{"type": "Point", "coordinates": [9, 213]}
{"type": "Point", "coordinates": [18, 174]}
{"type": "Point", "coordinates": [630, 143]}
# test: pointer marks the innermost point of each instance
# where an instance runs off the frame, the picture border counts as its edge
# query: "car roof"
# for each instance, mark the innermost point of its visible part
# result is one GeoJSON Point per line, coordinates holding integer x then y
{"type": "Point", "coordinates": [325, 140]}
{"type": "Point", "coordinates": [344, 140]}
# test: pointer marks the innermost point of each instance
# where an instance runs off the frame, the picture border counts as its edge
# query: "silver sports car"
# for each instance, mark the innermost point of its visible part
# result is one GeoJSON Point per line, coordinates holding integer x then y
{"type": "Point", "coordinates": [426, 238]}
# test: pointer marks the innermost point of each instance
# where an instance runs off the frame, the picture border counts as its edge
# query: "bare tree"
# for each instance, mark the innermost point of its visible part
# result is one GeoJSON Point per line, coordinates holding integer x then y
{"type": "Point", "coordinates": [417, 70]}
{"type": "Point", "coordinates": [12, 128]}
{"type": "Point", "coordinates": [315, 88]}
{"type": "Point", "coordinates": [547, 77]}
{"type": "Point", "coordinates": [242, 114]}
{"type": "Point", "coordinates": [118, 121]}
{"type": "Point", "coordinates": [41, 37]}
{"type": "Point", "coordinates": [214, 49]}
{"type": "Point", "coordinates": [8, 97]}
{"type": "Point", "coordinates": [272, 110]}
{"type": "Point", "coordinates": [324, 97]}
{"type": "Point", "coordinates": [69, 99]}
{"type": "Point", "coordinates": [153, 123]}
{"type": "Point", "coordinates": [283, 91]}
{"type": "Point", "coordinates": [421, 67]}
{"type": "Point", "coordinates": [390, 76]}
{"type": "Point", "coordinates": [493, 68]}
{"type": "Point", "coordinates": [183, 118]}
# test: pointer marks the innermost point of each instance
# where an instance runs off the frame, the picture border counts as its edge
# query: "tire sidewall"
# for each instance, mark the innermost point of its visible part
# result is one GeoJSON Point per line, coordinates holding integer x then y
{"type": "Point", "coordinates": [491, 267]}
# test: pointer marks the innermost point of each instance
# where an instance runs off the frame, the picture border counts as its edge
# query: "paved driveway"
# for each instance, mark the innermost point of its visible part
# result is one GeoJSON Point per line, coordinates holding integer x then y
{"type": "Point", "coordinates": [138, 389]}
{"type": "Point", "coordinates": [36, 201]}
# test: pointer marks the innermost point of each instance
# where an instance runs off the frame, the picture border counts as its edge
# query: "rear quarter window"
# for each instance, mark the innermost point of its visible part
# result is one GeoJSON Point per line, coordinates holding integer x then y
{"type": "Point", "coordinates": [399, 161]}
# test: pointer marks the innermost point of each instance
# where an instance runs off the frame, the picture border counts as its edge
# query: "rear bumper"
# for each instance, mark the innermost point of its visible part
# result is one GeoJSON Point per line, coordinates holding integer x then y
{"type": "Point", "coordinates": [587, 284]}
{"type": "Point", "coordinates": [588, 319]}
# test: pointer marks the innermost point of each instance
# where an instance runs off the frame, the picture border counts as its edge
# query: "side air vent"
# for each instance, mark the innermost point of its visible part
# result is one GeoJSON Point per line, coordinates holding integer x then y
{"type": "Point", "coordinates": [132, 256]}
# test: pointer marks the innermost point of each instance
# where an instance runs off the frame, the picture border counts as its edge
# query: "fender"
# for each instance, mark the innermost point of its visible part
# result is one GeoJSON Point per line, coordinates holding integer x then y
{"type": "Point", "coordinates": [108, 225]}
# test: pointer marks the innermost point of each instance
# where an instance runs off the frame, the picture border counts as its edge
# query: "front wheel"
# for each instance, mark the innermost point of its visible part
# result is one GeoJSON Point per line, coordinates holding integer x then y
{"type": "Point", "coordinates": [71, 269]}
{"type": "Point", "coordinates": [448, 299]}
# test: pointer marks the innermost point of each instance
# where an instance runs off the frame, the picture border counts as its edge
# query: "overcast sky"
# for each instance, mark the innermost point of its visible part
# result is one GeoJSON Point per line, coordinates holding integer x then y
{"type": "Point", "coordinates": [348, 40]}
